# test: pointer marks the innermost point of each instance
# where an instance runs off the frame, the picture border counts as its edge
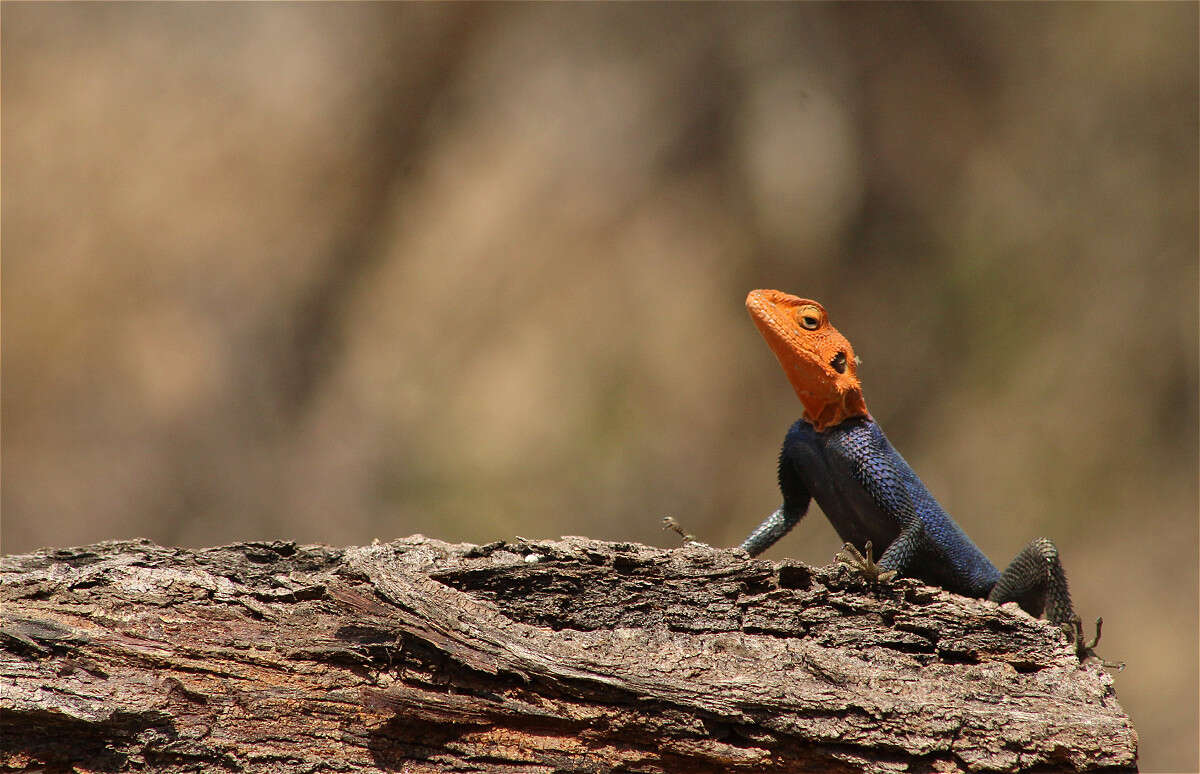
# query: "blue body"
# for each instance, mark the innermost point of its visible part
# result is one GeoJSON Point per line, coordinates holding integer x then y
{"type": "Point", "coordinates": [869, 492]}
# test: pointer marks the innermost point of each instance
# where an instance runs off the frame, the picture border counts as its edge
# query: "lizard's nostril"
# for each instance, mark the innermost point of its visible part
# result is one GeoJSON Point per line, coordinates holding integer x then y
{"type": "Point", "coordinates": [839, 362]}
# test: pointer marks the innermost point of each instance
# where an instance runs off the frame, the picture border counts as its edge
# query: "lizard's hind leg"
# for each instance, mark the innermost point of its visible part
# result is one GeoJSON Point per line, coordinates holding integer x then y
{"type": "Point", "coordinates": [1035, 581]}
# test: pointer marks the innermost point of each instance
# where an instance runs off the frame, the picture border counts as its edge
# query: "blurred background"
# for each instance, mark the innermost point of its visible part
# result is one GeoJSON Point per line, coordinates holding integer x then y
{"type": "Point", "coordinates": [340, 272]}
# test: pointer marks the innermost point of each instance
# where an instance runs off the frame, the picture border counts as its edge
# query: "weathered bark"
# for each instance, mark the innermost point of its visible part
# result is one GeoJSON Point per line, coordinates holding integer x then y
{"type": "Point", "coordinates": [525, 656]}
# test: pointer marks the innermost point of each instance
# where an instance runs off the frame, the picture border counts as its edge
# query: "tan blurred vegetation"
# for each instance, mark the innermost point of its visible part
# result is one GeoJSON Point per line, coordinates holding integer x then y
{"type": "Point", "coordinates": [339, 272]}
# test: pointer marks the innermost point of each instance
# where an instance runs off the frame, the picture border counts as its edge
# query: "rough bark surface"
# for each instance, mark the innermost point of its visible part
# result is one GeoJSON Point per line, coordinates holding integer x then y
{"type": "Point", "coordinates": [572, 655]}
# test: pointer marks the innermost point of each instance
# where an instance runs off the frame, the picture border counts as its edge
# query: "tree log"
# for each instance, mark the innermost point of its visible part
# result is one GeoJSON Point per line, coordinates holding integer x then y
{"type": "Point", "coordinates": [572, 655]}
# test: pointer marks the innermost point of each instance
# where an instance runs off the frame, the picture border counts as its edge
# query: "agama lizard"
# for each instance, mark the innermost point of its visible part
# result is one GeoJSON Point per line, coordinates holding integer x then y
{"type": "Point", "coordinates": [838, 455]}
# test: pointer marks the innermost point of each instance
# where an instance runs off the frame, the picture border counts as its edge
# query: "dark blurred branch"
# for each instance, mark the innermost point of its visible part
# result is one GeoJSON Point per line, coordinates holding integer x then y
{"type": "Point", "coordinates": [570, 655]}
{"type": "Point", "coordinates": [397, 142]}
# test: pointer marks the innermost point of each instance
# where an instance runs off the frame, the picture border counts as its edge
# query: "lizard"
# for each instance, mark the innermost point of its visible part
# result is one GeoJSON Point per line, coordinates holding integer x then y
{"type": "Point", "coordinates": [839, 456]}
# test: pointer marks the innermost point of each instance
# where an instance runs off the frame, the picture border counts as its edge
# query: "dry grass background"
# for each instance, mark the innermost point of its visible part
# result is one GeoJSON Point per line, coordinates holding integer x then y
{"type": "Point", "coordinates": [338, 272]}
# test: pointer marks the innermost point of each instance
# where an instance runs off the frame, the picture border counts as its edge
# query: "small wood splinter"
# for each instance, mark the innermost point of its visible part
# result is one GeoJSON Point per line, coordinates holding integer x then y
{"type": "Point", "coordinates": [670, 523]}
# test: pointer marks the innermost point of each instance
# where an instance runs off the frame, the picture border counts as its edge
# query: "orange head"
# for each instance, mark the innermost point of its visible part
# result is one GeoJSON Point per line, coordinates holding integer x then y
{"type": "Point", "coordinates": [817, 359]}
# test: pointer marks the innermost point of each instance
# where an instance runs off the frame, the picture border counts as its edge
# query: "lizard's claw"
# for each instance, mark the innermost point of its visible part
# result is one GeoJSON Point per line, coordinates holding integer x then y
{"type": "Point", "coordinates": [864, 565]}
{"type": "Point", "coordinates": [1085, 651]}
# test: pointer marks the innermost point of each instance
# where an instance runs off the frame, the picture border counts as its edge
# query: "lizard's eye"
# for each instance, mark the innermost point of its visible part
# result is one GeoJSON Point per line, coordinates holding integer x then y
{"type": "Point", "coordinates": [809, 317]}
{"type": "Point", "coordinates": [839, 362]}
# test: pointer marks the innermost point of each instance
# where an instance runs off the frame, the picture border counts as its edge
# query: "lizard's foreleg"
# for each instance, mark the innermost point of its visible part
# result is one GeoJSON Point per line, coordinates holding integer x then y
{"type": "Point", "coordinates": [775, 526]}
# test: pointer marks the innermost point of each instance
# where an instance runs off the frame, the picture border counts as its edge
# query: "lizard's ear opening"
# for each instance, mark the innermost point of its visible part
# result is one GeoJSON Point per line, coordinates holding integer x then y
{"type": "Point", "coordinates": [839, 362]}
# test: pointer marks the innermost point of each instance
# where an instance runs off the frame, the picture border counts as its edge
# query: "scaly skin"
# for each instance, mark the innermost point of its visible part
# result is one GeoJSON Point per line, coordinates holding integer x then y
{"type": "Point", "coordinates": [837, 454]}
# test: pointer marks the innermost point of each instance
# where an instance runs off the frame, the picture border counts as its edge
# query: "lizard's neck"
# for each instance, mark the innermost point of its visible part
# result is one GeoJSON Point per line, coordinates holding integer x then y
{"type": "Point", "coordinates": [824, 413]}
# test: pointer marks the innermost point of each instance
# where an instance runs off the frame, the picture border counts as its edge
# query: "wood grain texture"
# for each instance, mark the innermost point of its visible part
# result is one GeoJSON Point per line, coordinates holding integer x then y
{"type": "Point", "coordinates": [572, 655]}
